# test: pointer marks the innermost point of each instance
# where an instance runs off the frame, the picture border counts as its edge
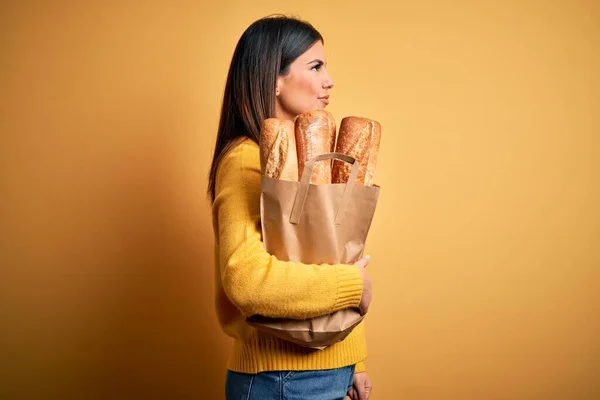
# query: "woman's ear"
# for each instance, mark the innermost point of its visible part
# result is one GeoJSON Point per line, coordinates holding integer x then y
{"type": "Point", "coordinates": [278, 85]}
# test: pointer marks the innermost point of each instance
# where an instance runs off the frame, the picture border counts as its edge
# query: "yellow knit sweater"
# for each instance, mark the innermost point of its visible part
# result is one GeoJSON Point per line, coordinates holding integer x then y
{"type": "Point", "coordinates": [250, 281]}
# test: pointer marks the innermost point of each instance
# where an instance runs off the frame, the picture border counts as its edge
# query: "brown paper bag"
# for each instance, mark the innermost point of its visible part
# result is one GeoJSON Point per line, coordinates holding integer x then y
{"type": "Point", "coordinates": [316, 224]}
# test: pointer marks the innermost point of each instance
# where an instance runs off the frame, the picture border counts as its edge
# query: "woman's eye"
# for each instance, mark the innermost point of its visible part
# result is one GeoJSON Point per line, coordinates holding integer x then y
{"type": "Point", "coordinates": [317, 67]}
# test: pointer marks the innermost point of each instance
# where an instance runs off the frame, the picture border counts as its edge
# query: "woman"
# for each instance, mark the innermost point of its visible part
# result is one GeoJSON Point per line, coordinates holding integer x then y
{"type": "Point", "coordinates": [278, 70]}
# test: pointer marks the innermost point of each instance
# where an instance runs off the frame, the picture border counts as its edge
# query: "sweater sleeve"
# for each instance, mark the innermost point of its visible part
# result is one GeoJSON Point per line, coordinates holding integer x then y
{"type": "Point", "coordinates": [360, 367]}
{"type": "Point", "coordinates": [255, 281]}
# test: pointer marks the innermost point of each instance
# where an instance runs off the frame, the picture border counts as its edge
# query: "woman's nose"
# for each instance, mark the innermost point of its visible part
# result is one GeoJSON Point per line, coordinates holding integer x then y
{"type": "Point", "coordinates": [328, 83]}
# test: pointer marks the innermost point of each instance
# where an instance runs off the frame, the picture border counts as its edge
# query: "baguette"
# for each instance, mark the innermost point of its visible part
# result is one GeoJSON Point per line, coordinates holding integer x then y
{"type": "Point", "coordinates": [360, 139]}
{"type": "Point", "coordinates": [315, 135]}
{"type": "Point", "coordinates": [373, 153]}
{"type": "Point", "coordinates": [277, 142]}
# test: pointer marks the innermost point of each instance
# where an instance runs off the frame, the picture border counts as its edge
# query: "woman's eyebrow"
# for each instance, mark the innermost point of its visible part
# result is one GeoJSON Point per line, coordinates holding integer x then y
{"type": "Point", "coordinates": [315, 60]}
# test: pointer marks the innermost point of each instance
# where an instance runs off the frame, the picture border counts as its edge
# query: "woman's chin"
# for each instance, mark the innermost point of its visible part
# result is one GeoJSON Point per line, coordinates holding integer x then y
{"type": "Point", "coordinates": [318, 106]}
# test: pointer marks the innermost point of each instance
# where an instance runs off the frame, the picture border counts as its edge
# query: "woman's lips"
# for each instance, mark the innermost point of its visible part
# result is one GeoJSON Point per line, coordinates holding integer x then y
{"type": "Point", "coordinates": [325, 100]}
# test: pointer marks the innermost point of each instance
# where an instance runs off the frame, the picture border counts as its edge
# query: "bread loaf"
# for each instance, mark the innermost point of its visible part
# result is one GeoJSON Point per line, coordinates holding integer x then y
{"type": "Point", "coordinates": [358, 138]}
{"type": "Point", "coordinates": [277, 142]}
{"type": "Point", "coordinates": [315, 135]}
{"type": "Point", "coordinates": [373, 153]}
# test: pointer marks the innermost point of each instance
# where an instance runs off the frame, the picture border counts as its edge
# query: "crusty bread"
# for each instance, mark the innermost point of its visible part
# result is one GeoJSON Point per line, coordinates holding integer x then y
{"type": "Point", "coordinates": [315, 135]}
{"type": "Point", "coordinates": [358, 138]}
{"type": "Point", "coordinates": [277, 142]}
{"type": "Point", "coordinates": [373, 153]}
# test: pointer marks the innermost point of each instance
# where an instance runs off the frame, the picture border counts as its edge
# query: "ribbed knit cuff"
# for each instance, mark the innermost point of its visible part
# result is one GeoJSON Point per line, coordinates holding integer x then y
{"type": "Point", "coordinates": [360, 367]}
{"type": "Point", "coordinates": [350, 287]}
{"type": "Point", "coordinates": [262, 352]}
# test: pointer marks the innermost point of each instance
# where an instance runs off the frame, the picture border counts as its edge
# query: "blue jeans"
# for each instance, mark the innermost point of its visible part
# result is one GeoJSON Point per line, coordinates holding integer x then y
{"type": "Point", "coordinates": [329, 384]}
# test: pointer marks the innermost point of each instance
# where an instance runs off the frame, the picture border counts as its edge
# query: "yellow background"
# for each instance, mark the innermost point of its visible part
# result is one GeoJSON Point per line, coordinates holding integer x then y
{"type": "Point", "coordinates": [485, 244]}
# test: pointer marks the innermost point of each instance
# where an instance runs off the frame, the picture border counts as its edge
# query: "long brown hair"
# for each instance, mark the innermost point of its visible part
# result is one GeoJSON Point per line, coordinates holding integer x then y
{"type": "Point", "coordinates": [265, 50]}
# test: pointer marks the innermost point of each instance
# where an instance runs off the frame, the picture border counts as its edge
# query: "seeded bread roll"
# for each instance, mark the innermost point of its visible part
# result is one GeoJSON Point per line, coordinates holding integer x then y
{"type": "Point", "coordinates": [360, 139]}
{"type": "Point", "coordinates": [315, 135]}
{"type": "Point", "coordinates": [277, 142]}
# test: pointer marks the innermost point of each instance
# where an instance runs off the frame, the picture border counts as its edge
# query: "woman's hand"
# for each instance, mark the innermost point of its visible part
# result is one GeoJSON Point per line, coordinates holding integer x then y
{"type": "Point", "coordinates": [361, 387]}
{"type": "Point", "coordinates": [367, 293]}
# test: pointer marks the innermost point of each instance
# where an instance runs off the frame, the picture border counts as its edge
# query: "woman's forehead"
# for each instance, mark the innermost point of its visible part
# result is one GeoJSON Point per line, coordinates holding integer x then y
{"type": "Point", "coordinates": [315, 52]}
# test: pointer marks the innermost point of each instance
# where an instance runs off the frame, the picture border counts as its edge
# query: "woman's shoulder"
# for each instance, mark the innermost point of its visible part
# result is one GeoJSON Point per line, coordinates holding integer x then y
{"type": "Point", "coordinates": [246, 141]}
{"type": "Point", "coordinates": [239, 167]}
{"type": "Point", "coordinates": [244, 153]}
{"type": "Point", "coordinates": [242, 148]}
{"type": "Point", "coordinates": [247, 144]}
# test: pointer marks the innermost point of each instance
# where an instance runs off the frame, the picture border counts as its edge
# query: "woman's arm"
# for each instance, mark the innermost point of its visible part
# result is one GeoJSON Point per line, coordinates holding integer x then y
{"type": "Point", "coordinates": [255, 281]}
